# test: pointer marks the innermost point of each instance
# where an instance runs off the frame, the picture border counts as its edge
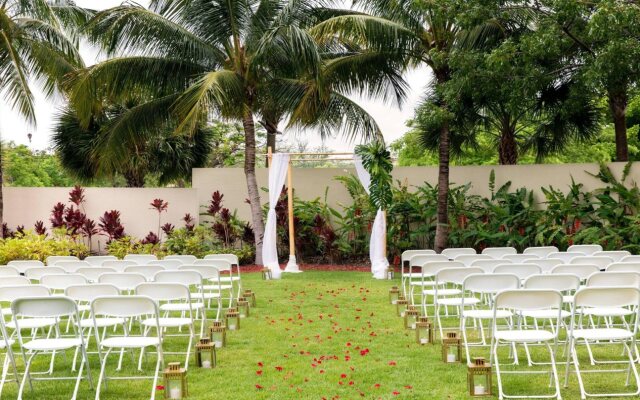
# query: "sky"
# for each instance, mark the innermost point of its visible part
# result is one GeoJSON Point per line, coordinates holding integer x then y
{"type": "Point", "coordinates": [389, 117]}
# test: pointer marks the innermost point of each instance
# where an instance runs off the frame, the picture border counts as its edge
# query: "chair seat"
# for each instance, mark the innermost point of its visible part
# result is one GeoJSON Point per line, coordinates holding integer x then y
{"type": "Point", "coordinates": [84, 307]}
{"type": "Point", "coordinates": [524, 336]}
{"type": "Point", "coordinates": [606, 311]}
{"type": "Point", "coordinates": [205, 295]}
{"type": "Point", "coordinates": [52, 344]}
{"type": "Point", "coordinates": [180, 306]}
{"type": "Point", "coordinates": [129, 342]}
{"type": "Point", "coordinates": [457, 301]}
{"type": "Point", "coordinates": [229, 279]}
{"type": "Point", "coordinates": [216, 287]}
{"type": "Point", "coordinates": [442, 292]}
{"type": "Point", "coordinates": [167, 322]}
{"type": "Point", "coordinates": [425, 283]}
{"type": "Point", "coordinates": [413, 275]}
{"type": "Point", "coordinates": [602, 334]}
{"type": "Point", "coordinates": [101, 322]}
{"type": "Point", "coordinates": [486, 314]}
{"type": "Point", "coordinates": [567, 299]}
{"type": "Point", "coordinates": [32, 323]}
{"type": "Point", "coordinates": [6, 311]}
{"type": "Point", "coordinates": [3, 344]}
{"type": "Point", "coordinates": [546, 314]}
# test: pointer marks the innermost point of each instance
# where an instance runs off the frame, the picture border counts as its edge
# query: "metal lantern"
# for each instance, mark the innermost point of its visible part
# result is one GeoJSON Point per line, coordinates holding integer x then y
{"type": "Point", "coordinates": [394, 294]}
{"type": "Point", "coordinates": [243, 307]}
{"type": "Point", "coordinates": [390, 272]}
{"type": "Point", "coordinates": [218, 334]}
{"type": "Point", "coordinates": [266, 274]}
{"type": "Point", "coordinates": [478, 386]}
{"type": "Point", "coordinates": [424, 331]}
{"type": "Point", "coordinates": [250, 296]}
{"type": "Point", "coordinates": [175, 382]}
{"type": "Point", "coordinates": [411, 317]}
{"type": "Point", "coordinates": [452, 348]}
{"type": "Point", "coordinates": [232, 318]}
{"type": "Point", "coordinates": [401, 306]}
{"type": "Point", "coordinates": [205, 353]}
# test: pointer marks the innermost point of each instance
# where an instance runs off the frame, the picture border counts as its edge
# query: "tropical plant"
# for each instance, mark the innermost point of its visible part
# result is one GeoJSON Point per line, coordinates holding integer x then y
{"type": "Point", "coordinates": [31, 246]}
{"type": "Point", "coordinates": [376, 160]}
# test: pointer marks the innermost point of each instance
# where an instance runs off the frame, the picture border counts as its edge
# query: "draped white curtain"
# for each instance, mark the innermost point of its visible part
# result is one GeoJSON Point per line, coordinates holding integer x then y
{"type": "Point", "coordinates": [379, 262]}
{"type": "Point", "coordinates": [277, 175]}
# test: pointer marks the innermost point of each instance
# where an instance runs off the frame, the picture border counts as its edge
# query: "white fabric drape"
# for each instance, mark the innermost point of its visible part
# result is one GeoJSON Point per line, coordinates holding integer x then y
{"type": "Point", "coordinates": [277, 175]}
{"type": "Point", "coordinates": [379, 262]}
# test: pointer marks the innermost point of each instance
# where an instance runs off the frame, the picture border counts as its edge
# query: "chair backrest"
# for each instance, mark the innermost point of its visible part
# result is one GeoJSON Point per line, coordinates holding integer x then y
{"type": "Point", "coordinates": [118, 265]}
{"type": "Point", "coordinates": [499, 252]}
{"type": "Point", "coordinates": [540, 251]}
{"type": "Point", "coordinates": [186, 277]}
{"type": "Point", "coordinates": [8, 271]}
{"type": "Point", "coordinates": [458, 251]}
{"type": "Point", "coordinates": [489, 265]}
{"type": "Point", "coordinates": [604, 297]}
{"type": "Point", "coordinates": [62, 281]}
{"type": "Point", "coordinates": [559, 282]}
{"type": "Point", "coordinates": [587, 249]}
{"type": "Point", "coordinates": [583, 271]}
{"type": "Point", "coordinates": [37, 273]}
{"type": "Point", "coordinates": [407, 254]}
{"type": "Point", "coordinates": [123, 280]}
{"type": "Point", "coordinates": [601, 261]}
{"type": "Point", "coordinates": [431, 268]}
{"type": "Point", "coordinates": [523, 271]}
{"type": "Point", "coordinates": [232, 258]}
{"type": "Point", "coordinates": [604, 279]}
{"type": "Point", "coordinates": [23, 265]}
{"type": "Point", "coordinates": [632, 258]}
{"type": "Point", "coordinates": [183, 258]}
{"type": "Point", "coordinates": [54, 259]}
{"type": "Point", "coordinates": [97, 261]}
{"type": "Point", "coordinates": [469, 259]}
{"type": "Point", "coordinates": [87, 292]}
{"type": "Point", "coordinates": [43, 307]}
{"type": "Point", "coordinates": [624, 267]}
{"type": "Point", "coordinates": [520, 258]}
{"type": "Point", "coordinates": [419, 259]}
{"type": "Point", "coordinates": [167, 264]}
{"type": "Point", "coordinates": [490, 283]}
{"type": "Point", "coordinates": [221, 265]}
{"type": "Point", "coordinates": [615, 255]}
{"type": "Point", "coordinates": [93, 273]}
{"type": "Point", "coordinates": [141, 258]}
{"type": "Point", "coordinates": [528, 299]}
{"type": "Point", "coordinates": [545, 264]}
{"type": "Point", "coordinates": [124, 306]}
{"type": "Point", "coordinates": [71, 266]}
{"type": "Point", "coordinates": [206, 271]}
{"type": "Point", "coordinates": [10, 293]}
{"type": "Point", "coordinates": [565, 256]}
{"type": "Point", "coordinates": [164, 291]}
{"type": "Point", "coordinates": [456, 275]}
{"type": "Point", "coordinates": [149, 271]}
{"type": "Point", "coordinates": [14, 281]}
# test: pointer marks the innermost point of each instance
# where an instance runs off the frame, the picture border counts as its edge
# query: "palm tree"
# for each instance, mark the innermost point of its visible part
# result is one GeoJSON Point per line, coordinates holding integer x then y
{"type": "Point", "coordinates": [35, 46]}
{"type": "Point", "coordinates": [199, 59]}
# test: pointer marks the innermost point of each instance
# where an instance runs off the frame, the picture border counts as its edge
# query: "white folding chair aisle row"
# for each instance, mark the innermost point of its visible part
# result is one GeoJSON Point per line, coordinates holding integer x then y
{"type": "Point", "coordinates": [572, 304]}
{"type": "Point", "coordinates": [121, 312]}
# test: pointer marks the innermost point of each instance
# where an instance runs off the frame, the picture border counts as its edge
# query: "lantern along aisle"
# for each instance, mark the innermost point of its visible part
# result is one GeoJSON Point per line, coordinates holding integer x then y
{"type": "Point", "coordinates": [476, 371]}
{"type": "Point", "coordinates": [394, 295]}
{"type": "Point", "coordinates": [250, 296]}
{"type": "Point", "coordinates": [424, 331]}
{"type": "Point", "coordinates": [175, 382]}
{"type": "Point", "coordinates": [451, 348]}
{"type": "Point", "coordinates": [266, 274]}
{"type": "Point", "coordinates": [401, 306]}
{"type": "Point", "coordinates": [205, 353]}
{"type": "Point", "coordinates": [243, 307]}
{"type": "Point", "coordinates": [411, 317]}
{"type": "Point", "coordinates": [232, 318]}
{"type": "Point", "coordinates": [218, 334]}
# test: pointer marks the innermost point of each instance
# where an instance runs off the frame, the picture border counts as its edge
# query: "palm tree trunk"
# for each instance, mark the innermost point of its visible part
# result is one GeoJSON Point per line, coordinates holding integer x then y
{"type": "Point", "coordinates": [508, 148]}
{"type": "Point", "coordinates": [252, 184]}
{"type": "Point", "coordinates": [618, 105]}
{"type": "Point", "coordinates": [272, 131]}
{"type": "Point", "coordinates": [134, 179]}
{"type": "Point", "coordinates": [442, 228]}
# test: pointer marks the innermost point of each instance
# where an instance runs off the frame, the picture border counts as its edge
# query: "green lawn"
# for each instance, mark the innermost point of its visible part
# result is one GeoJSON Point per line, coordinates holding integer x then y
{"type": "Point", "coordinates": [313, 335]}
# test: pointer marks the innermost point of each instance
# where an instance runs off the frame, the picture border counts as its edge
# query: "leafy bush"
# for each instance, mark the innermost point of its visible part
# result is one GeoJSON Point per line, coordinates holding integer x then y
{"type": "Point", "coordinates": [128, 245]}
{"type": "Point", "coordinates": [30, 246]}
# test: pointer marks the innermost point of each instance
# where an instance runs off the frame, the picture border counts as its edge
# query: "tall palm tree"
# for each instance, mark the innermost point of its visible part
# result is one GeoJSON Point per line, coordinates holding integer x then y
{"type": "Point", "coordinates": [233, 59]}
{"type": "Point", "coordinates": [36, 44]}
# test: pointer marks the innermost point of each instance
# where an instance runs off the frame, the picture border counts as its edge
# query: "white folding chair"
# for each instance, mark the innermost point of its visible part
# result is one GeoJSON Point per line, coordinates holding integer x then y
{"type": "Point", "coordinates": [129, 308]}
{"type": "Point", "coordinates": [35, 274]}
{"type": "Point", "coordinates": [212, 286]}
{"type": "Point", "coordinates": [616, 255]}
{"type": "Point", "coordinates": [9, 359]}
{"type": "Point", "coordinates": [624, 267]}
{"type": "Point", "coordinates": [405, 259]}
{"type": "Point", "coordinates": [232, 258]}
{"type": "Point", "coordinates": [55, 308]}
{"type": "Point", "coordinates": [454, 252]}
{"type": "Point", "coordinates": [417, 261]}
{"type": "Point", "coordinates": [426, 278]}
{"type": "Point", "coordinates": [545, 264]}
{"type": "Point", "coordinates": [96, 261]}
{"type": "Point", "coordinates": [566, 257]}
{"type": "Point", "coordinates": [499, 252]}
{"type": "Point", "coordinates": [71, 267]}
{"type": "Point", "coordinates": [632, 259]}
{"type": "Point", "coordinates": [605, 298]}
{"type": "Point", "coordinates": [14, 281]}
{"type": "Point", "coordinates": [191, 279]}
{"type": "Point", "coordinates": [469, 259]}
{"type": "Point", "coordinates": [523, 271]}
{"type": "Point", "coordinates": [51, 260]}
{"type": "Point", "coordinates": [489, 265]}
{"type": "Point", "coordinates": [602, 262]}
{"type": "Point", "coordinates": [125, 282]}
{"type": "Point", "coordinates": [167, 264]}
{"type": "Point", "coordinates": [93, 273]}
{"type": "Point", "coordinates": [452, 278]}
{"type": "Point", "coordinates": [582, 271]}
{"type": "Point", "coordinates": [540, 251]}
{"type": "Point", "coordinates": [60, 282]}
{"type": "Point", "coordinates": [225, 271]}
{"type": "Point", "coordinates": [23, 265]}
{"type": "Point", "coordinates": [519, 301]}
{"type": "Point", "coordinates": [141, 258]}
{"type": "Point", "coordinates": [485, 286]}
{"type": "Point", "coordinates": [587, 249]}
{"type": "Point", "coordinates": [118, 265]}
{"type": "Point", "coordinates": [520, 258]}
{"type": "Point", "coordinates": [149, 271]}
{"type": "Point", "coordinates": [613, 279]}
{"type": "Point", "coordinates": [609, 314]}
{"type": "Point", "coordinates": [169, 293]}
{"type": "Point", "coordinates": [8, 271]}
{"type": "Point", "coordinates": [183, 258]}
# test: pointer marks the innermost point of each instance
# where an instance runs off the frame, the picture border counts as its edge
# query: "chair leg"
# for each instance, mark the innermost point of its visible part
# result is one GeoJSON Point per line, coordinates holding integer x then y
{"type": "Point", "coordinates": [497, 364]}
{"type": "Point", "coordinates": [554, 371]}
{"type": "Point", "coordinates": [26, 376]}
{"type": "Point", "coordinates": [102, 373]}
{"type": "Point", "coordinates": [155, 375]}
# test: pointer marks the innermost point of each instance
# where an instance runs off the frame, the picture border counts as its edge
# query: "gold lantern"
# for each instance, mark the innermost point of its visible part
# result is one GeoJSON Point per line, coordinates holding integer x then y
{"type": "Point", "coordinates": [411, 317]}
{"type": "Point", "coordinates": [424, 331]}
{"type": "Point", "coordinates": [175, 382]}
{"type": "Point", "coordinates": [390, 272]}
{"type": "Point", "coordinates": [478, 386]}
{"type": "Point", "coordinates": [243, 307]}
{"type": "Point", "coordinates": [401, 306]}
{"type": "Point", "coordinates": [394, 294]}
{"type": "Point", "coordinates": [232, 319]}
{"type": "Point", "coordinates": [452, 348]}
{"type": "Point", "coordinates": [250, 296]}
{"type": "Point", "coordinates": [218, 334]}
{"type": "Point", "coordinates": [205, 353]}
{"type": "Point", "coordinates": [266, 274]}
